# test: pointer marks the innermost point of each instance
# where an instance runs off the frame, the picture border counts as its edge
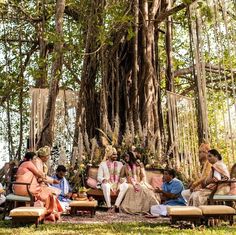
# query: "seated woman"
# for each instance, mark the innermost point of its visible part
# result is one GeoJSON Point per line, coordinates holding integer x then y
{"type": "Point", "coordinates": [219, 171]}
{"type": "Point", "coordinates": [28, 173]}
{"type": "Point", "coordinates": [2, 196]}
{"type": "Point", "coordinates": [140, 195]}
{"type": "Point", "coordinates": [233, 177]}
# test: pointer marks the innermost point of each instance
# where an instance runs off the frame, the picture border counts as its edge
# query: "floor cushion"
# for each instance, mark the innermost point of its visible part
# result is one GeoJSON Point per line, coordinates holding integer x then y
{"type": "Point", "coordinates": [217, 210]}
{"type": "Point", "coordinates": [24, 215]}
{"type": "Point", "coordinates": [184, 213]}
{"type": "Point", "coordinates": [83, 206]}
{"type": "Point", "coordinates": [28, 211]}
{"type": "Point", "coordinates": [83, 203]}
{"type": "Point", "coordinates": [183, 210]}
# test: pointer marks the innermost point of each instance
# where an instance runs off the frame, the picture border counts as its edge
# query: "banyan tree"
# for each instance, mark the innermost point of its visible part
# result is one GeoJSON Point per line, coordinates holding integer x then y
{"type": "Point", "coordinates": [156, 74]}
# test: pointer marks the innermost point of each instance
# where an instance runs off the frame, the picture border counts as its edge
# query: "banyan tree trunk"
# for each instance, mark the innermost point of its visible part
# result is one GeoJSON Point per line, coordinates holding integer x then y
{"type": "Point", "coordinates": [41, 81]}
{"type": "Point", "coordinates": [47, 135]}
{"type": "Point", "coordinates": [195, 36]}
{"type": "Point", "coordinates": [134, 113]}
{"type": "Point", "coordinates": [159, 103]}
{"type": "Point", "coordinates": [150, 119]}
{"type": "Point", "coordinates": [169, 72]}
{"type": "Point", "coordinates": [86, 112]}
{"type": "Point", "coordinates": [11, 150]}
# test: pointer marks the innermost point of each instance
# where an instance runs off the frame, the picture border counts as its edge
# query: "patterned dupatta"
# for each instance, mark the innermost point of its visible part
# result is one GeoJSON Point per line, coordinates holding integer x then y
{"type": "Point", "coordinates": [131, 174]}
{"type": "Point", "coordinates": [113, 171]}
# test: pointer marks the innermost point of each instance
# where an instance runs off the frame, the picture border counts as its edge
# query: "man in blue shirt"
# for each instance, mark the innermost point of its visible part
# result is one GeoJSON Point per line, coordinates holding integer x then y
{"type": "Point", "coordinates": [170, 193]}
{"type": "Point", "coordinates": [63, 185]}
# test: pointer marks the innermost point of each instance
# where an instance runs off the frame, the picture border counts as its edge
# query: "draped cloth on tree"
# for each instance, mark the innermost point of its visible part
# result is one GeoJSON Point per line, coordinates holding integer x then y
{"type": "Point", "coordinates": [66, 101]}
{"type": "Point", "coordinates": [219, 172]}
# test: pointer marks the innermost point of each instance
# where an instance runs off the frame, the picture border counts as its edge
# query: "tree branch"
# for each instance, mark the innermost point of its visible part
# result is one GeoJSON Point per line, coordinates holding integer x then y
{"type": "Point", "coordinates": [209, 68]}
{"type": "Point", "coordinates": [172, 11]}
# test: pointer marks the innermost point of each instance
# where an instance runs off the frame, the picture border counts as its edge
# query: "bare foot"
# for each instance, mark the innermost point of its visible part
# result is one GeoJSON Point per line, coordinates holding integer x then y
{"type": "Point", "coordinates": [112, 210]}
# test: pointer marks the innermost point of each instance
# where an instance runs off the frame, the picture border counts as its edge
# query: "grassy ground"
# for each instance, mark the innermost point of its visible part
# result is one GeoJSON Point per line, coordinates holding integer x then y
{"type": "Point", "coordinates": [114, 228]}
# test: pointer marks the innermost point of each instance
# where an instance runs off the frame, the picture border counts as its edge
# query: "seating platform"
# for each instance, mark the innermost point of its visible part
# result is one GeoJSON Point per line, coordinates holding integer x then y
{"type": "Point", "coordinates": [83, 206]}
{"type": "Point", "coordinates": [28, 215]}
{"type": "Point", "coordinates": [184, 213]}
{"type": "Point", "coordinates": [13, 200]}
{"type": "Point", "coordinates": [201, 214]}
{"type": "Point", "coordinates": [218, 212]}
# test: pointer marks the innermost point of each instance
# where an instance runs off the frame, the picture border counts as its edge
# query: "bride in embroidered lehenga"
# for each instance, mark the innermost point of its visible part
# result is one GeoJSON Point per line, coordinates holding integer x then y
{"type": "Point", "coordinates": [44, 195]}
{"type": "Point", "coordinates": [140, 195]}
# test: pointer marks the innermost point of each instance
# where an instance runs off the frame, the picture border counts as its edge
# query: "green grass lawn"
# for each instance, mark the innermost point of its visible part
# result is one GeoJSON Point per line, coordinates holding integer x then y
{"type": "Point", "coordinates": [114, 228]}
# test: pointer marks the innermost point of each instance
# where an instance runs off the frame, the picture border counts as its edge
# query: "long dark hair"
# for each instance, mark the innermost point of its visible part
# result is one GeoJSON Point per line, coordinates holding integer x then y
{"type": "Point", "coordinates": [28, 156]}
{"type": "Point", "coordinates": [132, 158]}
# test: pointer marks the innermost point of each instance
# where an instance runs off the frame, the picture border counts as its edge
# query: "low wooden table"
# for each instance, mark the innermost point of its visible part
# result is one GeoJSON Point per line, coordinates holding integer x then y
{"type": "Point", "coordinates": [83, 206]}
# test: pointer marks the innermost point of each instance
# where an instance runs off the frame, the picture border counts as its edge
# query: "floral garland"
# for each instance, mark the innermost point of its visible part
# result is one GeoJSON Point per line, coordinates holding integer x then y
{"type": "Point", "coordinates": [113, 170]}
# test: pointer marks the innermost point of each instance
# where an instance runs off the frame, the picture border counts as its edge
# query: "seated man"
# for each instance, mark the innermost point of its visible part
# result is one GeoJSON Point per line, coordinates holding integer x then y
{"type": "Point", "coordinates": [63, 185]}
{"type": "Point", "coordinates": [170, 193]}
{"type": "Point", "coordinates": [205, 171]}
{"type": "Point", "coordinates": [109, 178]}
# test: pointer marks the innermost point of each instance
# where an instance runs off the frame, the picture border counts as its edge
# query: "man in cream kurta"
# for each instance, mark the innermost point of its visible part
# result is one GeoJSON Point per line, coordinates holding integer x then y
{"type": "Point", "coordinates": [109, 177]}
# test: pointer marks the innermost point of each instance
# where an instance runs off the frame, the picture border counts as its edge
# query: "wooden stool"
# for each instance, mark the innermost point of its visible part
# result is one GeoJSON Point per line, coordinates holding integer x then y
{"type": "Point", "coordinates": [28, 215]}
{"type": "Point", "coordinates": [218, 212]}
{"type": "Point", "coordinates": [184, 213]}
{"type": "Point", "coordinates": [83, 206]}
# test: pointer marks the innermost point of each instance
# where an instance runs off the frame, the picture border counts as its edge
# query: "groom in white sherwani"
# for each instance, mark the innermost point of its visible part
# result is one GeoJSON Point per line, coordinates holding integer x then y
{"type": "Point", "coordinates": [109, 178]}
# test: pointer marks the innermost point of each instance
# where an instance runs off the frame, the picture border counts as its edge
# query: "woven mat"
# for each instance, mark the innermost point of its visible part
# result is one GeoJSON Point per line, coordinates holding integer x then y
{"type": "Point", "coordinates": [104, 217]}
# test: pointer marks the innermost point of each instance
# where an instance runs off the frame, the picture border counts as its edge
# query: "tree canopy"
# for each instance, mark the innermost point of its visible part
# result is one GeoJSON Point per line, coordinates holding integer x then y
{"type": "Point", "coordinates": [125, 61]}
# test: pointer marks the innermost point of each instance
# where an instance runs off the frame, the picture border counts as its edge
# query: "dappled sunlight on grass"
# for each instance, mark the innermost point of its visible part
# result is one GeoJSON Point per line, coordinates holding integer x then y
{"type": "Point", "coordinates": [107, 229]}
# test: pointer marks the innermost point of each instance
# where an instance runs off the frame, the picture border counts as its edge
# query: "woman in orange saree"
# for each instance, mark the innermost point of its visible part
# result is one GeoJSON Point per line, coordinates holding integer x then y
{"type": "Point", "coordinates": [28, 173]}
